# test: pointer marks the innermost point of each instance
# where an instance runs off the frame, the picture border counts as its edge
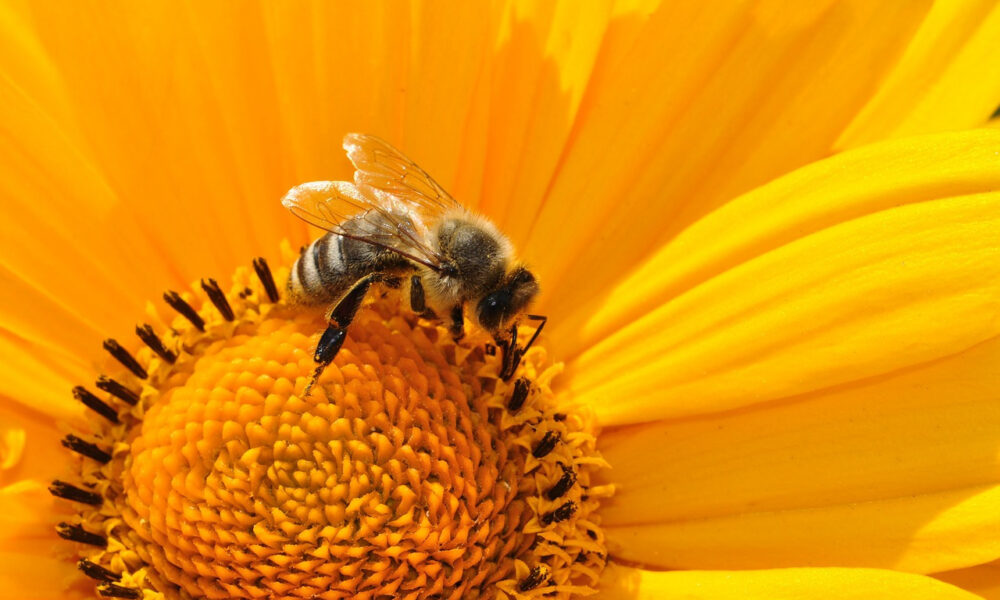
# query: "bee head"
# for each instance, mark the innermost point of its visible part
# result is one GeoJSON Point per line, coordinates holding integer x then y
{"type": "Point", "coordinates": [517, 289]}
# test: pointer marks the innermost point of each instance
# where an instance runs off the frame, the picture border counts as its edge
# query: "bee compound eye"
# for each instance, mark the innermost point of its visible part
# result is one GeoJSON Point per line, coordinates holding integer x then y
{"type": "Point", "coordinates": [492, 308]}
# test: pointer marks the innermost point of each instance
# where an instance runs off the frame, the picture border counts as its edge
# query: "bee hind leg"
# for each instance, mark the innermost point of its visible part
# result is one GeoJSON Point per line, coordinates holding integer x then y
{"type": "Point", "coordinates": [336, 331]}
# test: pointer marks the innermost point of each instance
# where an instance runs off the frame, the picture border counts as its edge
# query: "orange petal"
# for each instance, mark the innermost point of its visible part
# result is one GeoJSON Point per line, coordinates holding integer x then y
{"type": "Point", "coordinates": [983, 580]}
{"type": "Point", "coordinates": [948, 78]}
{"type": "Point", "coordinates": [868, 262]}
{"type": "Point", "coordinates": [625, 583]}
{"type": "Point", "coordinates": [897, 472]}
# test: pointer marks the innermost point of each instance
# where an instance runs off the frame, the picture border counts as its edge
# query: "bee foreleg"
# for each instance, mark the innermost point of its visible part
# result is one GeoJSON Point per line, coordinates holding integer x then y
{"type": "Point", "coordinates": [336, 331]}
{"type": "Point", "coordinates": [417, 300]}
{"type": "Point", "coordinates": [510, 356]}
{"type": "Point", "coordinates": [457, 325]}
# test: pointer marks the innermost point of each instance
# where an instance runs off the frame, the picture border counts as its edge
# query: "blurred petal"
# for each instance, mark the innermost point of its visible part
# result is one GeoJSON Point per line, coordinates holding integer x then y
{"type": "Point", "coordinates": [540, 93]}
{"type": "Point", "coordinates": [28, 515]}
{"type": "Point", "coordinates": [983, 580]}
{"type": "Point", "coordinates": [34, 577]}
{"type": "Point", "coordinates": [894, 472]}
{"type": "Point", "coordinates": [31, 555]}
{"type": "Point", "coordinates": [869, 262]}
{"type": "Point", "coordinates": [192, 160]}
{"type": "Point", "coordinates": [948, 79]}
{"type": "Point", "coordinates": [687, 108]}
{"type": "Point", "coordinates": [626, 583]}
{"type": "Point", "coordinates": [113, 197]}
{"type": "Point", "coordinates": [29, 445]}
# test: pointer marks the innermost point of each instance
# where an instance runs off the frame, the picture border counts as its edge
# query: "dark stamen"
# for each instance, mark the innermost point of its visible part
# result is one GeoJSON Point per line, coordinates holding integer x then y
{"type": "Point", "coordinates": [558, 417]}
{"type": "Point", "coordinates": [75, 533]}
{"type": "Point", "coordinates": [94, 403]}
{"type": "Point", "coordinates": [117, 390]}
{"type": "Point", "coordinates": [177, 303]}
{"type": "Point", "coordinates": [71, 492]}
{"type": "Point", "coordinates": [562, 486]}
{"type": "Point", "coordinates": [560, 514]}
{"type": "Point", "coordinates": [535, 578]}
{"type": "Point", "coordinates": [592, 534]}
{"type": "Point", "coordinates": [96, 571]}
{"type": "Point", "coordinates": [126, 359]}
{"type": "Point", "coordinates": [521, 388]}
{"type": "Point", "coordinates": [113, 590]}
{"type": "Point", "coordinates": [264, 274]}
{"type": "Point", "coordinates": [218, 298]}
{"type": "Point", "coordinates": [547, 444]}
{"type": "Point", "coordinates": [149, 337]}
{"type": "Point", "coordinates": [85, 448]}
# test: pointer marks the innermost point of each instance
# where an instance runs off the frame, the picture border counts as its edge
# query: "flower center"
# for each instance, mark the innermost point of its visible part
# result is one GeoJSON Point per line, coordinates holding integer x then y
{"type": "Point", "coordinates": [411, 470]}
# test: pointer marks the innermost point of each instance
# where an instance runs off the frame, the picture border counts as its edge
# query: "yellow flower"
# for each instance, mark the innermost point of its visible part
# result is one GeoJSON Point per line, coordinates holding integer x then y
{"type": "Point", "coordinates": [768, 254]}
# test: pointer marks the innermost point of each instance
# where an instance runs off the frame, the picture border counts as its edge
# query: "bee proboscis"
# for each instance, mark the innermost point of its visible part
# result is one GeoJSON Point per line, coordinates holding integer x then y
{"type": "Point", "coordinates": [393, 225]}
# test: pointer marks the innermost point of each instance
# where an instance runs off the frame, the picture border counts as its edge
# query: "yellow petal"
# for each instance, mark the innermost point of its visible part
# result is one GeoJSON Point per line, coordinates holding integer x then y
{"type": "Point", "coordinates": [625, 583]}
{"type": "Point", "coordinates": [688, 107]}
{"type": "Point", "coordinates": [868, 262]}
{"type": "Point", "coordinates": [909, 535]}
{"type": "Point", "coordinates": [983, 580]}
{"type": "Point", "coordinates": [893, 472]}
{"type": "Point", "coordinates": [948, 79]}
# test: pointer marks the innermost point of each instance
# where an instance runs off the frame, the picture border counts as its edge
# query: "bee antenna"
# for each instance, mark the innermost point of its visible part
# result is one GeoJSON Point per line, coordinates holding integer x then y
{"type": "Point", "coordinates": [534, 337]}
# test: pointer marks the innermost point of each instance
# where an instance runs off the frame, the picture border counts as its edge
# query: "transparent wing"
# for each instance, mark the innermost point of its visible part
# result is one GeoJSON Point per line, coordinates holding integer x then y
{"type": "Point", "coordinates": [381, 166]}
{"type": "Point", "coordinates": [363, 213]}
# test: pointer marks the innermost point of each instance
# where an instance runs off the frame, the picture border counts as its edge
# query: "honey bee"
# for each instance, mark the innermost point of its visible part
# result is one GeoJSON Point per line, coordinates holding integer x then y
{"type": "Point", "coordinates": [394, 224]}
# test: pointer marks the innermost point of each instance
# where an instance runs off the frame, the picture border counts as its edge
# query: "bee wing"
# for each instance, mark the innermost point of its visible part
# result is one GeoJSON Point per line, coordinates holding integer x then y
{"type": "Point", "coordinates": [330, 205]}
{"type": "Point", "coordinates": [381, 166]}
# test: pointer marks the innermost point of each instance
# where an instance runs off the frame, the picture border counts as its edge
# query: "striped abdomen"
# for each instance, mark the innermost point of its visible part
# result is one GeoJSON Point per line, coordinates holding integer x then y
{"type": "Point", "coordinates": [329, 266]}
